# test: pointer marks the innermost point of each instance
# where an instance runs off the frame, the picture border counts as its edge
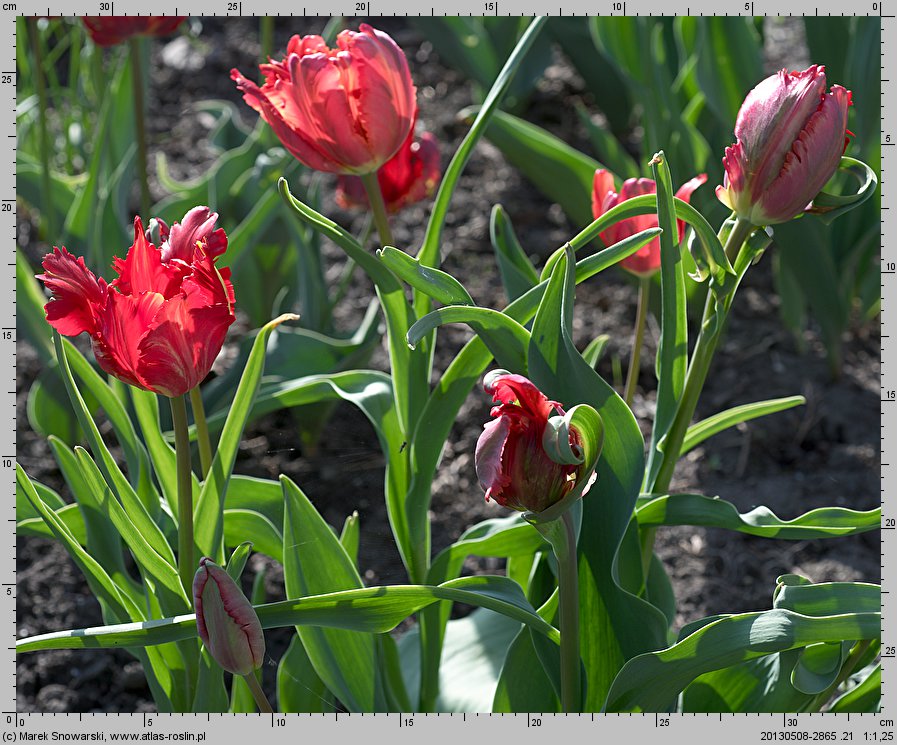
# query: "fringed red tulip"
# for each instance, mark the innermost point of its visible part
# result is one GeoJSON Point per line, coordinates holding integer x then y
{"type": "Point", "coordinates": [344, 110]}
{"type": "Point", "coordinates": [512, 465]}
{"type": "Point", "coordinates": [226, 621]}
{"type": "Point", "coordinates": [160, 324]}
{"type": "Point", "coordinates": [410, 176]}
{"type": "Point", "coordinates": [791, 136]}
{"type": "Point", "coordinates": [107, 31]}
{"type": "Point", "coordinates": [646, 260]}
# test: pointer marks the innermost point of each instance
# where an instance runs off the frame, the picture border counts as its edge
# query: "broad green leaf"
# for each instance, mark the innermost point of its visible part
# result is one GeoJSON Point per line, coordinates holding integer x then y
{"type": "Point", "coordinates": [241, 525]}
{"type": "Point", "coordinates": [435, 283]}
{"type": "Point", "coordinates": [101, 585]}
{"type": "Point", "coordinates": [828, 206]}
{"type": "Point", "coordinates": [135, 508]}
{"type": "Point", "coordinates": [522, 683]}
{"type": "Point", "coordinates": [208, 514]}
{"type": "Point", "coordinates": [697, 509]}
{"type": "Point", "coordinates": [429, 253]}
{"type": "Point", "coordinates": [562, 173]}
{"type": "Point", "coordinates": [505, 338]}
{"type": "Point", "coordinates": [370, 609]}
{"type": "Point", "coordinates": [316, 563]}
{"type": "Point", "coordinates": [863, 697]}
{"type": "Point", "coordinates": [30, 316]}
{"type": "Point", "coordinates": [760, 685]}
{"type": "Point", "coordinates": [211, 695]}
{"type": "Point", "coordinates": [103, 540]}
{"type": "Point", "coordinates": [237, 561]}
{"type": "Point", "coordinates": [162, 455]}
{"type": "Point", "coordinates": [470, 664]}
{"type": "Point", "coordinates": [299, 688]}
{"type": "Point", "coordinates": [157, 567]}
{"type": "Point", "coordinates": [350, 536]}
{"type": "Point", "coordinates": [652, 681]}
{"type": "Point", "coordinates": [715, 424]}
{"type": "Point", "coordinates": [69, 515]}
{"type": "Point", "coordinates": [672, 349]}
{"type": "Point", "coordinates": [49, 409]}
{"type": "Point", "coordinates": [729, 55]}
{"type": "Point", "coordinates": [615, 624]}
{"type": "Point", "coordinates": [818, 666]}
{"type": "Point", "coordinates": [517, 272]}
{"type": "Point", "coordinates": [607, 147]}
{"type": "Point", "coordinates": [798, 594]}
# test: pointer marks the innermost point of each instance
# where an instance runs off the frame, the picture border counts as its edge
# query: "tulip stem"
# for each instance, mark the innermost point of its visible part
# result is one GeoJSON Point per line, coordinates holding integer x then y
{"type": "Point", "coordinates": [202, 431]}
{"type": "Point", "coordinates": [266, 37]}
{"type": "Point", "coordinates": [140, 125]}
{"type": "Point", "coordinates": [644, 292]}
{"type": "Point", "coordinates": [186, 568]}
{"type": "Point", "coordinates": [261, 700]}
{"type": "Point", "coordinates": [711, 330]}
{"type": "Point", "coordinates": [378, 207]}
{"type": "Point", "coordinates": [564, 545]}
{"type": "Point", "coordinates": [39, 83]}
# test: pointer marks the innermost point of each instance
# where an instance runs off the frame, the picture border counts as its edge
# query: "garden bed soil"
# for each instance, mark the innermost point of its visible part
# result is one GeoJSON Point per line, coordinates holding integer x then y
{"type": "Point", "coordinates": [823, 454]}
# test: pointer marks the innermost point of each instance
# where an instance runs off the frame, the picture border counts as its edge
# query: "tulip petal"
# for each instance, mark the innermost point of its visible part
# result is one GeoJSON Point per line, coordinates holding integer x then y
{"type": "Point", "coordinates": [812, 160]}
{"type": "Point", "coordinates": [78, 295]}
{"type": "Point", "coordinates": [291, 135]}
{"type": "Point", "coordinates": [124, 323]}
{"type": "Point", "coordinates": [143, 270]}
{"type": "Point", "coordinates": [198, 226]}
{"type": "Point", "coordinates": [771, 118]}
{"type": "Point", "coordinates": [602, 188]}
{"type": "Point", "coordinates": [488, 453]}
{"type": "Point", "coordinates": [177, 353]}
{"type": "Point", "coordinates": [684, 193]}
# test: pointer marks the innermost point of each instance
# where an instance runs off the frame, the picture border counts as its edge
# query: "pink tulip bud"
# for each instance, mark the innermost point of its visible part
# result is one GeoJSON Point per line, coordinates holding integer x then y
{"type": "Point", "coordinates": [646, 260]}
{"type": "Point", "coordinates": [512, 465]}
{"type": "Point", "coordinates": [343, 110]}
{"type": "Point", "coordinates": [791, 136]}
{"type": "Point", "coordinates": [226, 621]}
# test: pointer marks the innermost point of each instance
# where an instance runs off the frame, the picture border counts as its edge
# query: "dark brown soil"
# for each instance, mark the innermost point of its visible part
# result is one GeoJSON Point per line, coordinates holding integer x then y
{"type": "Point", "coordinates": [826, 453]}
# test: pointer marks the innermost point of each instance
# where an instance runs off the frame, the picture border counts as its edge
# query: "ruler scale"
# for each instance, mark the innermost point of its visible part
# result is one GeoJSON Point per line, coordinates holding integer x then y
{"type": "Point", "coordinates": [439, 728]}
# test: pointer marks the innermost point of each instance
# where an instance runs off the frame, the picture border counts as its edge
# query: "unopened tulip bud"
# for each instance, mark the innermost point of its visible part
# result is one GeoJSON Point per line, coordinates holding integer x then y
{"type": "Point", "coordinates": [226, 621]}
{"type": "Point", "coordinates": [791, 136]}
{"type": "Point", "coordinates": [511, 461]}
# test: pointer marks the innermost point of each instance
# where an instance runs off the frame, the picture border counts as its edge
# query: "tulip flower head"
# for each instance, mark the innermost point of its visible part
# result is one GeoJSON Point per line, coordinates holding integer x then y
{"type": "Point", "coordinates": [226, 621]}
{"type": "Point", "coordinates": [344, 110]}
{"type": "Point", "coordinates": [512, 465]}
{"type": "Point", "coordinates": [410, 176]}
{"type": "Point", "coordinates": [791, 136]}
{"type": "Point", "coordinates": [160, 324]}
{"type": "Point", "coordinates": [107, 31]}
{"type": "Point", "coordinates": [646, 260]}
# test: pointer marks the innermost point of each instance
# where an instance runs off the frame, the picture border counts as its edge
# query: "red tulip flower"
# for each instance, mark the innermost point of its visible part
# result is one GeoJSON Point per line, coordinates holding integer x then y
{"type": "Point", "coordinates": [344, 110]}
{"type": "Point", "coordinates": [160, 324]}
{"type": "Point", "coordinates": [791, 136]}
{"type": "Point", "coordinates": [410, 176]}
{"type": "Point", "coordinates": [226, 621]}
{"type": "Point", "coordinates": [107, 31]}
{"type": "Point", "coordinates": [512, 465]}
{"type": "Point", "coordinates": [646, 260]}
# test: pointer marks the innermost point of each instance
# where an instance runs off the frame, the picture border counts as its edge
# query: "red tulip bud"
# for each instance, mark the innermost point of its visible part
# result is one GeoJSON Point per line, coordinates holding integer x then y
{"type": "Point", "coordinates": [512, 464]}
{"type": "Point", "coordinates": [791, 136]}
{"type": "Point", "coordinates": [107, 31]}
{"type": "Point", "coordinates": [226, 621]}
{"type": "Point", "coordinates": [160, 324]}
{"type": "Point", "coordinates": [343, 110]}
{"type": "Point", "coordinates": [646, 260]}
{"type": "Point", "coordinates": [410, 176]}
